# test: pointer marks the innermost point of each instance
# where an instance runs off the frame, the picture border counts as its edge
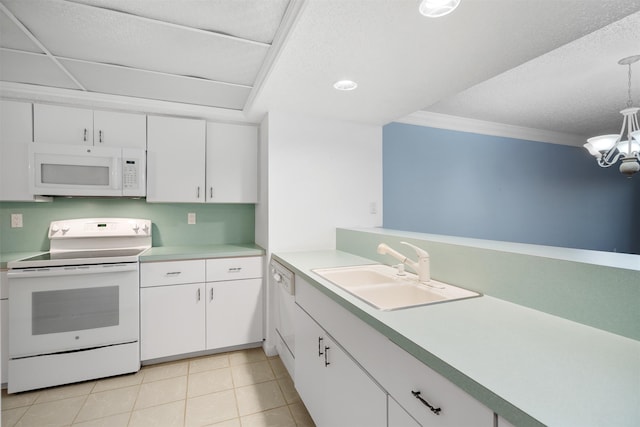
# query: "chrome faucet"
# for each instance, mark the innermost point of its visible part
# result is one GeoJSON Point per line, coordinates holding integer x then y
{"type": "Point", "coordinates": [421, 267]}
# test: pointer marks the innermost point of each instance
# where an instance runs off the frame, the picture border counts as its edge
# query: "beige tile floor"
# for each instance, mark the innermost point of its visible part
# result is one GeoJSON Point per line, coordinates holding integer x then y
{"type": "Point", "coordinates": [237, 389]}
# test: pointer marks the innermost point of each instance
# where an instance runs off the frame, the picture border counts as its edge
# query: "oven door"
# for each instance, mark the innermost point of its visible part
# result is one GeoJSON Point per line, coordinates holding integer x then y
{"type": "Point", "coordinates": [59, 309]}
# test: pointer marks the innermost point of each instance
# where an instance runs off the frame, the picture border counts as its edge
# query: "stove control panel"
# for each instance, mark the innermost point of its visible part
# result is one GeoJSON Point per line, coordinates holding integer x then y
{"type": "Point", "coordinates": [99, 227]}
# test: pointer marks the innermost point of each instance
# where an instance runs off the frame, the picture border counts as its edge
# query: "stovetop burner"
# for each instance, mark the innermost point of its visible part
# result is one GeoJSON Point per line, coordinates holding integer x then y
{"type": "Point", "coordinates": [92, 241]}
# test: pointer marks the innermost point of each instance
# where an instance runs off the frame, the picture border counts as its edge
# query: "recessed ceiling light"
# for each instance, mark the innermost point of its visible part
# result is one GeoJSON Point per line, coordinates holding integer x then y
{"type": "Point", "coordinates": [345, 85]}
{"type": "Point", "coordinates": [437, 8]}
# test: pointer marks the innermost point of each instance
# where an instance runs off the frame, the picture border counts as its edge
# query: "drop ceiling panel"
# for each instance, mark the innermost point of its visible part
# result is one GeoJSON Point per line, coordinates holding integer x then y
{"type": "Point", "coordinates": [404, 62]}
{"type": "Point", "coordinates": [12, 37]}
{"type": "Point", "coordinates": [256, 20]}
{"type": "Point", "coordinates": [578, 88]}
{"type": "Point", "coordinates": [32, 68]}
{"type": "Point", "coordinates": [117, 80]}
{"type": "Point", "coordinates": [101, 35]}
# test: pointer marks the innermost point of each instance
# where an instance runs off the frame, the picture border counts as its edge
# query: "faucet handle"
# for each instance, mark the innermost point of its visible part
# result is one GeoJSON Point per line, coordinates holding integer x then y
{"type": "Point", "coordinates": [421, 252]}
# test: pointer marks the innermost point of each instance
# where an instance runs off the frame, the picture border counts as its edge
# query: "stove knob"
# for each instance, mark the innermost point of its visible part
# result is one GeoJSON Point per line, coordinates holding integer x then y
{"type": "Point", "coordinates": [146, 229]}
{"type": "Point", "coordinates": [136, 228]}
{"type": "Point", "coordinates": [54, 229]}
{"type": "Point", "coordinates": [65, 228]}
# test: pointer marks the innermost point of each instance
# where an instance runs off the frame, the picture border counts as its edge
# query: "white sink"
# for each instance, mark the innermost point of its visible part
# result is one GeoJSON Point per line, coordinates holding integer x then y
{"type": "Point", "coordinates": [383, 288]}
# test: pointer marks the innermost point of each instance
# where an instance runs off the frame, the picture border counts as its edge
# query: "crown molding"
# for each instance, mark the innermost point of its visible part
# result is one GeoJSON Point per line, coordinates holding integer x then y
{"type": "Point", "coordinates": [52, 95]}
{"type": "Point", "coordinates": [463, 124]}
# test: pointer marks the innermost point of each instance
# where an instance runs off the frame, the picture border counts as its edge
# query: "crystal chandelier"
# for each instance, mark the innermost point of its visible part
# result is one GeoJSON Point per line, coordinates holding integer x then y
{"type": "Point", "coordinates": [608, 149]}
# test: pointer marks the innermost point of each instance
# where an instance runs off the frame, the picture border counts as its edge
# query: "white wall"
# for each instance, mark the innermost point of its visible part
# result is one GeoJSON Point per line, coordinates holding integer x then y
{"type": "Point", "coordinates": [322, 174]}
{"type": "Point", "coordinates": [315, 175]}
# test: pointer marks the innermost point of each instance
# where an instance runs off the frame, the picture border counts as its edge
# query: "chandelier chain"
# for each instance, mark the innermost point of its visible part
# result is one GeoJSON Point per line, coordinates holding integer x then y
{"type": "Point", "coordinates": [629, 102]}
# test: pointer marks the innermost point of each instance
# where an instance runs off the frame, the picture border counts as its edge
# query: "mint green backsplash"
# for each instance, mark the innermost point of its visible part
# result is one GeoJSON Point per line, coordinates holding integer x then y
{"type": "Point", "coordinates": [604, 297]}
{"type": "Point", "coordinates": [215, 223]}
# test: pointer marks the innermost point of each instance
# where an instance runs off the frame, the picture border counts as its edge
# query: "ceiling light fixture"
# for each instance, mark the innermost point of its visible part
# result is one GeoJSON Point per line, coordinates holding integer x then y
{"type": "Point", "coordinates": [608, 149]}
{"type": "Point", "coordinates": [345, 85]}
{"type": "Point", "coordinates": [437, 8]}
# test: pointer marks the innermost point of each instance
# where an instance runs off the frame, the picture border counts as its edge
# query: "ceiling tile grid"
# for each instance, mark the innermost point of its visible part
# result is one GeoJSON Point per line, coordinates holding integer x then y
{"type": "Point", "coordinates": [193, 51]}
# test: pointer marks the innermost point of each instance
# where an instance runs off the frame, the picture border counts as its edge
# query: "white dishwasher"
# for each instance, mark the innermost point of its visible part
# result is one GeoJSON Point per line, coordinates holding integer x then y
{"type": "Point", "coordinates": [283, 283]}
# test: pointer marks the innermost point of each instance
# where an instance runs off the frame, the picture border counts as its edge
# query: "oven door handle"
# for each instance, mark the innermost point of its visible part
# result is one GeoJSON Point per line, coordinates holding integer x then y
{"type": "Point", "coordinates": [72, 270]}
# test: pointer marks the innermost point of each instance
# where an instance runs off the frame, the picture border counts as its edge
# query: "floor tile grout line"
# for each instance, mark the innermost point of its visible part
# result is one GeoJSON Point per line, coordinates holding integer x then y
{"type": "Point", "coordinates": [246, 361]}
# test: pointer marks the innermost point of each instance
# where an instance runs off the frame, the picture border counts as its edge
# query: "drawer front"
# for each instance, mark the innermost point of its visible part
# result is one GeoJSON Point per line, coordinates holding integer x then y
{"type": "Point", "coordinates": [410, 376]}
{"type": "Point", "coordinates": [222, 269]}
{"type": "Point", "coordinates": [172, 272]}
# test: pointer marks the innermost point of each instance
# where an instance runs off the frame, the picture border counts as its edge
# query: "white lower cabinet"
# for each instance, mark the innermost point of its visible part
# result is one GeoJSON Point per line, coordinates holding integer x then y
{"type": "Point", "coordinates": [335, 390]}
{"type": "Point", "coordinates": [172, 320]}
{"type": "Point", "coordinates": [503, 423]}
{"type": "Point", "coordinates": [234, 313]}
{"type": "Point", "coordinates": [4, 325]}
{"type": "Point", "coordinates": [398, 417]}
{"type": "Point", "coordinates": [418, 396]}
{"type": "Point", "coordinates": [182, 311]}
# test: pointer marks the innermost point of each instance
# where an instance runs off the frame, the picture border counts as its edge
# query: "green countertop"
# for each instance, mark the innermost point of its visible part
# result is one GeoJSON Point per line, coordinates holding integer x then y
{"type": "Point", "coordinates": [169, 253]}
{"type": "Point", "coordinates": [176, 253]}
{"type": "Point", "coordinates": [530, 367]}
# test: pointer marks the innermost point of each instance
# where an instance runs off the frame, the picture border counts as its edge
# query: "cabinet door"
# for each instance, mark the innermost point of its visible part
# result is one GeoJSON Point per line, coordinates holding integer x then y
{"type": "Point", "coordinates": [503, 423]}
{"type": "Point", "coordinates": [118, 129]}
{"type": "Point", "coordinates": [351, 397]}
{"type": "Point", "coordinates": [232, 163]}
{"type": "Point", "coordinates": [172, 320]}
{"type": "Point", "coordinates": [234, 313]}
{"type": "Point", "coordinates": [62, 125]}
{"type": "Point", "coordinates": [4, 344]}
{"type": "Point", "coordinates": [175, 159]}
{"type": "Point", "coordinates": [15, 136]}
{"type": "Point", "coordinates": [309, 361]}
{"type": "Point", "coordinates": [335, 390]}
{"type": "Point", "coordinates": [398, 417]}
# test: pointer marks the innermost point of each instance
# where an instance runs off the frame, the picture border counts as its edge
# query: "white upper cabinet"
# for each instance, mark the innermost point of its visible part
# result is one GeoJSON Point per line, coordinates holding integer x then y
{"type": "Point", "coordinates": [191, 161]}
{"type": "Point", "coordinates": [119, 129]}
{"type": "Point", "coordinates": [175, 159]}
{"type": "Point", "coordinates": [232, 163]}
{"type": "Point", "coordinates": [15, 135]}
{"type": "Point", "coordinates": [55, 124]}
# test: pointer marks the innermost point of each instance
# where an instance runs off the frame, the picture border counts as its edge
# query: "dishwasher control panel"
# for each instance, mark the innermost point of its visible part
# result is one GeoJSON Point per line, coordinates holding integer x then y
{"type": "Point", "coordinates": [282, 276]}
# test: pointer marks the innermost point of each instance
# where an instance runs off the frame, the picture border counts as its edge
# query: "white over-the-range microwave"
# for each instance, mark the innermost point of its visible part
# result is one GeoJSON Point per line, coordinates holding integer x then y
{"type": "Point", "coordinates": [77, 170]}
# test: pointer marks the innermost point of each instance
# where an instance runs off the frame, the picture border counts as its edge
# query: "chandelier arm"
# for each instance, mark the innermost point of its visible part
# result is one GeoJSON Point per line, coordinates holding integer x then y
{"type": "Point", "coordinates": [605, 161]}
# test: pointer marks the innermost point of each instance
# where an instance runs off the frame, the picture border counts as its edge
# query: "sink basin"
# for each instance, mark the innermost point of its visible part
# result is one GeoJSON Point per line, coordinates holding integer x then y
{"type": "Point", "coordinates": [383, 288]}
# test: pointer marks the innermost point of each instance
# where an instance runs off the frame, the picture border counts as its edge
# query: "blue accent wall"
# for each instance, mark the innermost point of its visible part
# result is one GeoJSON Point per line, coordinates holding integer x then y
{"type": "Point", "coordinates": [465, 184]}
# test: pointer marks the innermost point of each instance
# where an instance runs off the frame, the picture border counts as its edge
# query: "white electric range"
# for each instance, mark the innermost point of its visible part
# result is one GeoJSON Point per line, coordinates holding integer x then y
{"type": "Point", "coordinates": [74, 311]}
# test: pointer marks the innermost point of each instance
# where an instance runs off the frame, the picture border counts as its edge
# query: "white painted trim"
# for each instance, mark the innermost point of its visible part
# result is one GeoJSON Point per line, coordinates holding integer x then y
{"type": "Point", "coordinates": [282, 37]}
{"type": "Point", "coordinates": [445, 121]}
{"type": "Point", "coordinates": [92, 100]}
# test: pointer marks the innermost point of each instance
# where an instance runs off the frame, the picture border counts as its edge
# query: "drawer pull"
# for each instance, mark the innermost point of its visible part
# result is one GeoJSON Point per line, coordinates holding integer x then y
{"type": "Point", "coordinates": [320, 353]}
{"type": "Point", "coordinates": [326, 354]}
{"type": "Point", "coordinates": [425, 403]}
{"type": "Point", "coordinates": [235, 269]}
{"type": "Point", "coordinates": [173, 273]}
